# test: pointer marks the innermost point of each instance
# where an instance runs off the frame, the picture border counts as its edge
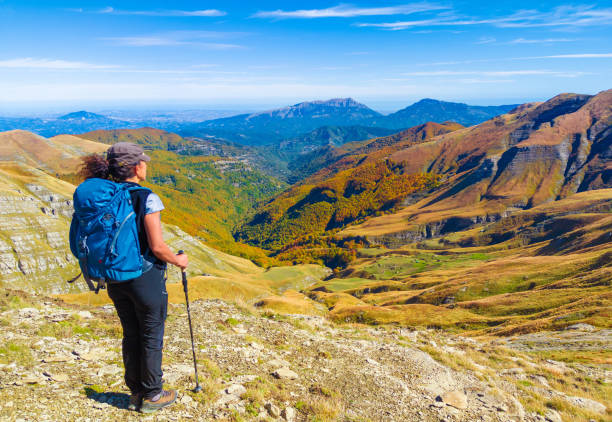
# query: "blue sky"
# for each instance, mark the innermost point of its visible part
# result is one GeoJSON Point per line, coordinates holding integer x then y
{"type": "Point", "coordinates": [272, 53]}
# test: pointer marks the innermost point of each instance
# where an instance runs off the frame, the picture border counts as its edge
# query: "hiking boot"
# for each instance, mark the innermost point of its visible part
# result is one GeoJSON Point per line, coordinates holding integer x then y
{"type": "Point", "coordinates": [163, 399]}
{"type": "Point", "coordinates": [135, 401]}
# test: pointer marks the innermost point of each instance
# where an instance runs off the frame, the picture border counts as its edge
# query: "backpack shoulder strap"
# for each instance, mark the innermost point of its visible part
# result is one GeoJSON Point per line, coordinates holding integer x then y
{"type": "Point", "coordinates": [134, 188]}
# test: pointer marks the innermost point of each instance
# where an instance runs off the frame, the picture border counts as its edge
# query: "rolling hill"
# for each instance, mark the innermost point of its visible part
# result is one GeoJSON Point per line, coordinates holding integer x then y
{"type": "Point", "coordinates": [544, 268]}
{"type": "Point", "coordinates": [36, 209]}
{"type": "Point", "coordinates": [149, 138]}
{"type": "Point", "coordinates": [259, 158]}
{"type": "Point", "coordinates": [56, 155]}
{"type": "Point", "coordinates": [333, 159]}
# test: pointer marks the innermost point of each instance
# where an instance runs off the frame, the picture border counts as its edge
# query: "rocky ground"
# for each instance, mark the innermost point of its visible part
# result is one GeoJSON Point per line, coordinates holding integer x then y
{"type": "Point", "coordinates": [62, 362]}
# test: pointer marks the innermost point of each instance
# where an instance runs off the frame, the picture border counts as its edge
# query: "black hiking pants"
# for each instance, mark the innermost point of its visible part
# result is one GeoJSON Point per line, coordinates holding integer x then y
{"type": "Point", "coordinates": [142, 306]}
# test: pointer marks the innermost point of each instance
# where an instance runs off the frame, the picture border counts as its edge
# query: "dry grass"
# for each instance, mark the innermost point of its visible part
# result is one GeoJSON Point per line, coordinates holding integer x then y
{"type": "Point", "coordinates": [416, 315]}
{"type": "Point", "coordinates": [290, 302]}
{"type": "Point", "coordinates": [242, 288]}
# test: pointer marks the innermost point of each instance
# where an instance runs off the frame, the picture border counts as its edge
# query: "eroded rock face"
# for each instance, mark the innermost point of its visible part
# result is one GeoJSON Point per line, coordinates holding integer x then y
{"type": "Point", "coordinates": [561, 148]}
{"type": "Point", "coordinates": [534, 155]}
{"type": "Point", "coordinates": [432, 230]}
{"type": "Point", "coordinates": [34, 225]}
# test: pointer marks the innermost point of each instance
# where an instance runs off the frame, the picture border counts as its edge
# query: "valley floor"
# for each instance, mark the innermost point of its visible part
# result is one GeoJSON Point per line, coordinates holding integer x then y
{"type": "Point", "coordinates": [63, 362]}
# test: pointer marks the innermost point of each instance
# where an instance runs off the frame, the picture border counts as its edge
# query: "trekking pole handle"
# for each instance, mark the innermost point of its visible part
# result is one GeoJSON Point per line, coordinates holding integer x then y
{"type": "Point", "coordinates": [183, 275]}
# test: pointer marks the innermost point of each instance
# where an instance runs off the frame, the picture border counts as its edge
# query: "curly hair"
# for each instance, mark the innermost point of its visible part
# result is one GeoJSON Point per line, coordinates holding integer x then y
{"type": "Point", "coordinates": [96, 165]}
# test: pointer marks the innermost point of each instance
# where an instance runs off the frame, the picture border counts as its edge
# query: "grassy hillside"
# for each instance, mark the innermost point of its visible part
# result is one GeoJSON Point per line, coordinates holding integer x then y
{"type": "Point", "coordinates": [149, 138]}
{"type": "Point", "coordinates": [208, 196]}
{"type": "Point", "coordinates": [55, 155]}
{"type": "Point", "coordinates": [544, 268]}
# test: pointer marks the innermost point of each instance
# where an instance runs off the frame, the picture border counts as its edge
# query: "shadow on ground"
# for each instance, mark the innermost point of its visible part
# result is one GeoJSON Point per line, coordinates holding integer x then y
{"type": "Point", "coordinates": [118, 400]}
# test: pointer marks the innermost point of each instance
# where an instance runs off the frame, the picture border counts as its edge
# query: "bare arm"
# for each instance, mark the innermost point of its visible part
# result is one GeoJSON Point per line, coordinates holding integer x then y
{"type": "Point", "coordinates": [152, 223]}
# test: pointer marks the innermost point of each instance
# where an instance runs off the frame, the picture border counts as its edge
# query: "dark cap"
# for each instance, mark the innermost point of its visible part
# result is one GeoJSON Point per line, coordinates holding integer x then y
{"type": "Point", "coordinates": [127, 154]}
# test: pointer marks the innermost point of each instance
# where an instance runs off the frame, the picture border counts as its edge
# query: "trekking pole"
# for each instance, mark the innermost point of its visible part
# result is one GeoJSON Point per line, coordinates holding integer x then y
{"type": "Point", "coordinates": [197, 388]}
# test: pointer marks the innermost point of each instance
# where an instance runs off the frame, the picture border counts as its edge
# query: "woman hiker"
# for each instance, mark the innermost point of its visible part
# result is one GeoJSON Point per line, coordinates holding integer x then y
{"type": "Point", "coordinates": [142, 302]}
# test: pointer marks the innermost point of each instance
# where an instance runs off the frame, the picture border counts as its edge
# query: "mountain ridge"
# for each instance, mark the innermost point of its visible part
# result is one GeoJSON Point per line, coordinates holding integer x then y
{"type": "Point", "coordinates": [276, 124]}
{"type": "Point", "coordinates": [270, 125]}
{"type": "Point", "coordinates": [540, 153]}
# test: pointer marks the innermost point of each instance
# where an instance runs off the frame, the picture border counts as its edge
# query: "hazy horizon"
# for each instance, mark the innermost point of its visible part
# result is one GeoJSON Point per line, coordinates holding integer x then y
{"type": "Point", "coordinates": [58, 108]}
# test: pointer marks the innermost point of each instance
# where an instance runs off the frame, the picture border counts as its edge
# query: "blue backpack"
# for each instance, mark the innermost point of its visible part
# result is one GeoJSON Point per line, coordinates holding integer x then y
{"type": "Point", "coordinates": [103, 233]}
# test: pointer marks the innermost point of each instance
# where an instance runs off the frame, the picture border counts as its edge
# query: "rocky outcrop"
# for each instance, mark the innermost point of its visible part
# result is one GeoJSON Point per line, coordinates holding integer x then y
{"type": "Point", "coordinates": [432, 230]}
{"type": "Point", "coordinates": [34, 226]}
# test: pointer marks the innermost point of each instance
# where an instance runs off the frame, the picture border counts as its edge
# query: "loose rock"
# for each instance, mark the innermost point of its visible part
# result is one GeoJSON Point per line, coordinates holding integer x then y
{"type": "Point", "coordinates": [273, 410]}
{"type": "Point", "coordinates": [289, 414]}
{"type": "Point", "coordinates": [285, 373]}
{"type": "Point", "coordinates": [455, 398]}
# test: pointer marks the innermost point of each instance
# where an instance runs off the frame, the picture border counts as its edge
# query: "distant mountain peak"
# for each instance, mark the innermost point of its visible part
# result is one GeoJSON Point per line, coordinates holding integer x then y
{"type": "Point", "coordinates": [335, 111]}
{"type": "Point", "coordinates": [82, 115]}
{"type": "Point", "coordinates": [338, 102]}
{"type": "Point", "coordinates": [428, 100]}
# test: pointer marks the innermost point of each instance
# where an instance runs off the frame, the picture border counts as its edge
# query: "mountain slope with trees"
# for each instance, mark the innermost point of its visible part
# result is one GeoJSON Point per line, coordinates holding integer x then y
{"type": "Point", "coordinates": [538, 153]}
{"type": "Point", "coordinates": [358, 184]}
{"type": "Point", "coordinates": [206, 196]}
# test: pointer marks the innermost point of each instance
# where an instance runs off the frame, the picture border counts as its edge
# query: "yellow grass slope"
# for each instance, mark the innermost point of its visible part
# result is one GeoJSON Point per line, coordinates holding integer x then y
{"type": "Point", "coordinates": [59, 154]}
{"type": "Point", "coordinates": [257, 287]}
{"type": "Point", "coordinates": [543, 268]}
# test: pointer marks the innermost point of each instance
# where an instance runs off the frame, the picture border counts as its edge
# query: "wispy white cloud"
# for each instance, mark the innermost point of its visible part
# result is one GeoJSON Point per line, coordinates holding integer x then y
{"type": "Point", "coordinates": [506, 59]}
{"type": "Point", "coordinates": [486, 40]}
{"type": "Point", "coordinates": [153, 41]}
{"type": "Point", "coordinates": [580, 56]}
{"type": "Point", "coordinates": [32, 63]}
{"type": "Point", "coordinates": [176, 38]}
{"type": "Point", "coordinates": [484, 81]}
{"type": "Point", "coordinates": [541, 41]}
{"type": "Point", "coordinates": [204, 65]}
{"type": "Point", "coordinates": [169, 13]}
{"type": "Point", "coordinates": [528, 72]}
{"type": "Point", "coordinates": [562, 16]}
{"type": "Point", "coordinates": [349, 11]}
